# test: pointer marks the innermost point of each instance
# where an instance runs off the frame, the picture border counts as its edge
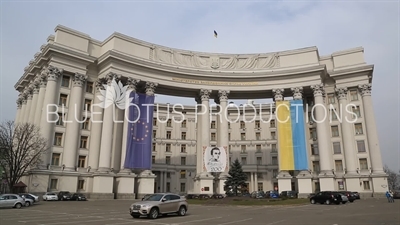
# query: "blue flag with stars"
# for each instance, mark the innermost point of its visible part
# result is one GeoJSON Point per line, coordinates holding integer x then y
{"type": "Point", "coordinates": [140, 130]}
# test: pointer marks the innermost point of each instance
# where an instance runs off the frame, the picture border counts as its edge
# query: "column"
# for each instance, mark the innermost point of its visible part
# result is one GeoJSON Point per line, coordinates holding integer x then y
{"type": "Point", "coordinates": [205, 121]}
{"type": "Point", "coordinates": [29, 94]}
{"type": "Point", "coordinates": [223, 136]}
{"type": "Point", "coordinates": [132, 85]}
{"type": "Point", "coordinates": [42, 90]}
{"type": "Point", "coordinates": [252, 182]}
{"type": "Point", "coordinates": [162, 181]}
{"type": "Point", "coordinates": [50, 108]}
{"type": "Point", "coordinates": [96, 127]}
{"type": "Point", "coordinates": [34, 106]}
{"type": "Point", "coordinates": [199, 149]}
{"type": "Point", "coordinates": [107, 130]}
{"type": "Point", "coordinates": [19, 106]}
{"type": "Point", "coordinates": [73, 124]}
{"type": "Point", "coordinates": [324, 143]}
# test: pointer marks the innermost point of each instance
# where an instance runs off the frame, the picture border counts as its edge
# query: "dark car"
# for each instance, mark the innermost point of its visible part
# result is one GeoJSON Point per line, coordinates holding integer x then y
{"type": "Point", "coordinates": [356, 194]}
{"type": "Point", "coordinates": [327, 197]}
{"type": "Point", "coordinates": [192, 196]}
{"type": "Point", "coordinates": [396, 194]}
{"type": "Point", "coordinates": [289, 194]}
{"type": "Point", "coordinates": [64, 195]}
{"type": "Point", "coordinates": [217, 196]}
{"type": "Point", "coordinates": [349, 195]}
{"type": "Point", "coordinates": [258, 194]}
{"type": "Point", "coordinates": [78, 197]}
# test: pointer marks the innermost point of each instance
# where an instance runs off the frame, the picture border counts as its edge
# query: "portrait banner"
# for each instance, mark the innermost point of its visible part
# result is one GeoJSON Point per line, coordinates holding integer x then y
{"type": "Point", "coordinates": [215, 159]}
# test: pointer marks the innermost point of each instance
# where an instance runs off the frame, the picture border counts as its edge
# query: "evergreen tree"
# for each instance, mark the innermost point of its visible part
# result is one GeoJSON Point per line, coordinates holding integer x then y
{"type": "Point", "coordinates": [237, 178]}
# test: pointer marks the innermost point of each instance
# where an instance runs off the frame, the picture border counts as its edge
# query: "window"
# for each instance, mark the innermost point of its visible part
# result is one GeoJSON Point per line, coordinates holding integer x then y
{"type": "Point", "coordinates": [331, 98]}
{"type": "Point", "coordinates": [257, 124]}
{"type": "Point", "coordinates": [229, 136]}
{"type": "Point", "coordinates": [168, 147]}
{"type": "Point", "coordinates": [85, 124]}
{"type": "Point", "coordinates": [58, 139]}
{"type": "Point", "coordinates": [229, 125]}
{"type": "Point", "coordinates": [314, 149]}
{"type": "Point", "coordinates": [354, 95]}
{"type": "Point", "coordinates": [183, 148]}
{"type": "Point", "coordinates": [258, 148]}
{"type": "Point", "coordinates": [89, 87]}
{"type": "Point", "coordinates": [55, 159]}
{"type": "Point", "coordinates": [244, 160]}
{"type": "Point", "coordinates": [243, 148]}
{"type": "Point", "coordinates": [168, 175]}
{"type": "Point", "coordinates": [183, 135]}
{"type": "Point", "coordinates": [212, 124]}
{"type": "Point", "coordinates": [213, 136]}
{"type": "Point", "coordinates": [155, 122]}
{"type": "Point", "coordinates": [81, 162]}
{"type": "Point", "coordinates": [88, 105]}
{"type": "Point", "coordinates": [259, 161]}
{"type": "Point", "coordinates": [339, 165]}
{"type": "Point", "coordinates": [358, 128]}
{"type": "Point", "coordinates": [272, 123]}
{"type": "Point", "coordinates": [183, 161]}
{"type": "Point", "coordinates": [260, 187]}
{"type": "Point", "coordinates": [335, 131]}
{"type": "Point", "coordinates": [168, 134]}
{"type": "Point", "coordinates": [81, 184]}
{"type": "Point", "coordinates": [341, 185]}
{"type": "Point", "coordinates": [333, 115]}
{"type": "Point", "coordinates": [274, 160]}
{"type": "Point", "coordinates": [336, 148]}
{"type": "Point", "coordinates": [183, 174]}
{"type": "Point", "coordinates": [168, 160]}
{"type": "Point", "coordinates": [168, 187]}
{"type": "Point", "coordinates": [274, 174]}
{"type": "Point", "coordinates": [313, 133]}
{"type": "Point", "coordinates": [63, 100]}
{"type": "Point", "coordinates": [258, 136]}
{"type": "Point", "coordinates": [273, 135]}
{"type": "Point", "coordinates": [273, 147]}
{"type": "Point", "coordinates": [183, 124]}
{"type": "Point", "coordinates": [154, 147]}
{"type": "Point", "coordinates": [366, 185]}
{"type": "Point", "coordinates": [242, 125]}
{"type": "Point", "coordinates": [183, 187]}
{"type": "Point", "coordinates": [315, 166]}
{"type": "Point", "coordinates": [84, 141]}
{"type": "Point", "coordinates": [60, 121]}
{"type": "Point", "coordinates": [65, 81]}
{"type": "Point", "coordinates": [53, 183]}
{"type": "Point", "coordinates": [169, 123]}
{"type": "Point", "coordinates": [153, 159]}
{"type": "Point", "coordinates": [243, 136]}
{"type": "Point", "coordinates": [363, 164]}
{"type": "Point", "coordinates": [361, 146]}
{"type": "Point", "coordinates": [356, 111]}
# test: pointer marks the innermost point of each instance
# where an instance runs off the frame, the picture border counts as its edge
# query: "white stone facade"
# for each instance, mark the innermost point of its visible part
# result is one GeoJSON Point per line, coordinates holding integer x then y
{"type": "Point", "coordinates": [71, 69]}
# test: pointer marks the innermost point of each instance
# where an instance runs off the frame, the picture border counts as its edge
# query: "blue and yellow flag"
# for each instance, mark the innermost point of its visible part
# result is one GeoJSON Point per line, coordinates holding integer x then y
{"type": "Point", "coordinates": [215, 34]}
{"type": "Point", "coordinates": [291, 135]}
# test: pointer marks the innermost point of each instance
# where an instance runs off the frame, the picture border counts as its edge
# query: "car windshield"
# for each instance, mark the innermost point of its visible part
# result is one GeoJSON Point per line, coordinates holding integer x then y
{"type": "Point", "coordinates": [155, 197]}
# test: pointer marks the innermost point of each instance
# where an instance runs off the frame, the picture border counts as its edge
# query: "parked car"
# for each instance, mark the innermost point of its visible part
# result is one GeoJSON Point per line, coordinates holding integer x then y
{"type": "Point", "coordinates": [289, 194]}
{"type": "Point", "coordinates": [356, 194]}
{"type": "Point", "coordinates": [78, 197]}
{"type": "Point", "coordinates": [273, 194]}
{"type": "Point", "coordinates": [191, 196]}
{"type": "Point", "coordinates": [50, 196]}
{"type": "Point", "coordinates": [327, 197]}
{"type": "Point", "coordinates": [28, 200]}
{"type": "Point", "coordinates": [159, 204]}
{"type": "Point", "coordinates": [64, 195]}
{"type": "Point", "coordinates": [11, 201]}
{"type": "Point", "coordinates": [204, 196]}
{"type": "Point", "coordinates": [396, 194]}
{"type": "Point", "coordinates": [351, 197]}
{"type": "Point", "coordinates": [35, 198]}
{"type": "Point", "coordinates": [217, 196]}
{"type": "Point", "coordinates": [258, 194]}
{"type": "Point", "coordinates": [146, 196]}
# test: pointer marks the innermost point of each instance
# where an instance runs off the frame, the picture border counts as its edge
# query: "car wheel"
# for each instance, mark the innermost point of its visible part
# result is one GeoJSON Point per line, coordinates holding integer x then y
{"type": "Point", "coordinates": [343, 202]}
{"type": "Point", "coordinates": [135, 216]}
{"type": "Point", "coordinates": [18, 205]}
{"type": "Point", "coordinates": [27, 204]}
{"type": "Point", "coordinates": [312, 201]}
{"type": "Point", "coordinates": [153, 213]}
{"type": "Point", "coordinates": [182, 211]}
{"type": "Point", "coordinates": [328, 202]}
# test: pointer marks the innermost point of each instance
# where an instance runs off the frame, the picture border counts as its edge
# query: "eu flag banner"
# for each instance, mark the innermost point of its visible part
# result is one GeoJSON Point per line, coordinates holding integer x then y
{"type": "Point", "coordinates": [291, 135]}
{"type": "Point", "coordinates": [139, 144]}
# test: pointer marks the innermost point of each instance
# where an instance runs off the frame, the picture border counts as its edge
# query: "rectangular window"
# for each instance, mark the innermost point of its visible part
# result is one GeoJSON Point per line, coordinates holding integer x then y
{"type": "Point", "coordinates": [169, 123]}
{"type": "Point", "coordinates": [260, 187]}
{"type": "Point", "coordinates": [357, 112]}
{"type": "Point", "coordinates": [63, 100]}
{"type": "Point", "coordinates": [183, 187]}
{"type": "Point", "coordinates": [60, 121]}
{"type": "Point", "coordinates": [85, 125]}
{"type": "Point", "coordinates": [358, 128]}
{"type": "Point", "coordinates": [274, 160]}
{"type": "Point", "coordinates": [183, 135]}
{"type": "Point", "coordinates": [89, 87]}
{"type": "Point", "coordinates": [361, 146]}
{"type": "Point", "coordinates": [363, 164]}
{"type": "Point", "coordinates": [84, 141]}
{"type": "Point", "coordinates": [53, 184]}
{"type": "Point", "coordinates": [229, 136]}
{"type": "Point", "coordinates": [243, 136]}
{"type": "Point", "coordinates": [155, 122]}
{"type": "Point", "coordinates": [315, 166]}
{"type": "Point", "coordinates": [331, 98]}
{"type": "Point", "coordinates": [183, 161]}
{"type": "Point", "coordinates": [213, 125]}
{"type": "Point", "coordinates": [168, 160]}
{"type": "Point", "coordinates": [153, 159]}
{"type": "Point", "coordinates": [258, 136]}
{"type": "Point", "coordinates": [274, 174]}
{"type": "Point", "coordinates": [273, 148]}
{"type": "Point", "coordinates": [168, 175]}
{"type": "Point", "coordinates": [154, 147]}
{"type": "Point", "coordinates": [183, 148]}
{"type": "Point", "coordinates": [183, 174]}
{"type": "Point", "coordinates": [244, 160]}
{"type": "Point", "coordinates": [58, 139]}
{"type": "Point", "coordinates": [339, 165]}
{"type": "Point", "coordinates": [242, 125]}
{"type": "Point", "coordinates": [354, 95]}
{"type": "Point", "coordinates": [55, 159]}
{"type": "Point", "coordinates": [366, 185]}
{"type": "Point", "coordinates": [88, 105]}
{"type": "Point", "coordinates": [168, 187]}
{"type": "Point", "coordinates": [313, 133]}
{"type": "Point", "coordinates": [335, 131]}
{"type": "Point", "coordinates": [272, 123]}
{"type": "Point", "coordinates": [314, 149]}
{"type": "Point", "coordinates": [243, 148]}
{"type": "Point", "coordinates": [258, 148]}
{"type": "Point", "coordinates": [183, 124]}
{"type": "Point", "coordinates": [213, 137]}
{"type": "Point", "coordinates": [168, 147]}
{"type": "Point", "coordinates": [168, 135]}
{"type": "Point", "coordinates": [259, 161]}
{"type": "Point", "coordinates": [82, 161]}
{"type": "Point", "coordinates": [336, 148]}
{"type": "Point", "coordinates": [273, 135]}
{"type": "Point", "coordinates": [81, 184]}
{"type": "Point", "coordinates": [65, 81]}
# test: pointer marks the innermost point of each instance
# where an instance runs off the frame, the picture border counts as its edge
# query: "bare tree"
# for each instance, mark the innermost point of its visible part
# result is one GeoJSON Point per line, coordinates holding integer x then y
{"type": "Point", "coordinates": [21, 147]}
{"type": "Point", "coordinates": [393, 178]}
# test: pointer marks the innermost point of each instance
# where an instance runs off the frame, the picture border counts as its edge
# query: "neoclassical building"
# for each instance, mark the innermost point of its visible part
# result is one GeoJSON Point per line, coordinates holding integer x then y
{"type": "Point", "coordinates": [88, 156]}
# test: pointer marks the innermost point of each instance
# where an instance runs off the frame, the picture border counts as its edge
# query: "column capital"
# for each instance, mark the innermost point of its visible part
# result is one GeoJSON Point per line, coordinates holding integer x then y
{"type": "Point", "coordinates": [54, 73]}
{"type": "Point", "coordinates": [36, 85]}
{"type": "Point", "coordinates": [112, 76]}
{"type": "Point", "coordinates": [132, 83]}
{"type": "Point", "coordinates": [205, 94]}
{"type": "Point", "coordinates": [198, 99]}
{"type": "Point", "coordinates": [19, 102]}
{"type": "Point", "coordinates": [151, 88]}
{"type": "Point", "coordinates": [43, 77]}
{"type": "Point", "coordinates": [99, 84]}
{"type": "Point", "coordinates": [24, 98]}
{"type": "Point", "coordinates": [341, 93]}
{"type": "Point", "coordinates": [297, 93]}
{"type": "Point", "coordinates": [79, 80]}
{"type": "Point", "coordinates": [365, 89]}
{"type": "Point", "coordinates": [278, 94]}
{"type": "Point", "coordinates": [318, 89]}
{"type": "Point", "coordinates": [223, 95]}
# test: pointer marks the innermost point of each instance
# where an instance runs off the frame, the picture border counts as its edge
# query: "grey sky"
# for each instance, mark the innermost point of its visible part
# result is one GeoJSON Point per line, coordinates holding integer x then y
{"type": "Point", "coordinates": [243, 27]}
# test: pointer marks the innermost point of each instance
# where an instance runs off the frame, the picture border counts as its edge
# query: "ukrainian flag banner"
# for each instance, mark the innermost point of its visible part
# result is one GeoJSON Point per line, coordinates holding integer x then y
{"type": "Point", "coordinates": [291, 135]}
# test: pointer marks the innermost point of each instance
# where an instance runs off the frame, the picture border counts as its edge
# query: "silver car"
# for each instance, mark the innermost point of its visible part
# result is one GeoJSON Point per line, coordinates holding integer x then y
{"type": "Point", "coordinates": [11, 201]}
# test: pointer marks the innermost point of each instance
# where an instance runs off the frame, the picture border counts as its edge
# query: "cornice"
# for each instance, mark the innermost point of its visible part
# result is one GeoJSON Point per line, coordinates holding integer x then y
{"type": "Point", "coordinates": [348, 51]}
{"type": "Point", "coordinates": [71, 31]}
{"type": "Point", "coordinates": [353, 70]}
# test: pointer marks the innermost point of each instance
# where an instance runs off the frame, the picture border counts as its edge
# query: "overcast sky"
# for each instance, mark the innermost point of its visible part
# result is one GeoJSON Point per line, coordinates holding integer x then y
{"type": "Point", "coordinates": [243, 27]}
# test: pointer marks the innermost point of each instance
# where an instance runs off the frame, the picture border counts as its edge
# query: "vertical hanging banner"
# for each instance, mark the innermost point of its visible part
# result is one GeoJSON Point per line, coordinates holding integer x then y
{"type": "Point", "coordinates": [215, 159]}
{"type": "Point", "coordinates": [140, 128]}
{"type": "Point", "coordinates": [291, 135]}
